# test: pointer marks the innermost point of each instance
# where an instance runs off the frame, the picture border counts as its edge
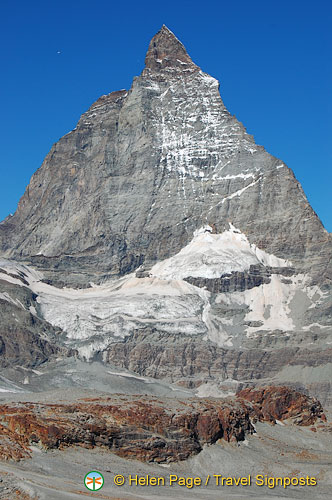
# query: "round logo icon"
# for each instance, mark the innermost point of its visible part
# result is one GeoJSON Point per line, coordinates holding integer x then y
{"type": "Point", "coordinates": [94, 480]}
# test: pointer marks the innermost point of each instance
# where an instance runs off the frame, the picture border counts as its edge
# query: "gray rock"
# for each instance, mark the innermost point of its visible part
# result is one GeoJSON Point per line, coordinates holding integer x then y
{"type": "Point", "coordinates": [238, 281]}
{"type": "Point", "coordinates": [25, 339]}
{"type": "Point", "coordinates": [126, 189]}
{"type": "Point", "coordinates": [143, 169]}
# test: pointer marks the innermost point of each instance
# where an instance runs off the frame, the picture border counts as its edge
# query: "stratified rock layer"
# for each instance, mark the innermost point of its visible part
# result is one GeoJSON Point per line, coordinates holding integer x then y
{"type": "Point", "coordinates": [148, 429]}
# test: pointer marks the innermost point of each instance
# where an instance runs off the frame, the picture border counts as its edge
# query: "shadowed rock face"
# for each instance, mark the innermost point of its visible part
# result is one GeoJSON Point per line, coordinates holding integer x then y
{"type": "Point", "coordinates": [148, 429]}
{"type": "Point", "coordinates": [143, 169]}
{"type": "Point", "coordinates": [240, 281]}
{"type": "Point", "coordinates": [191, 362]}
{"type": "Point", "coordinates": [25, 339]}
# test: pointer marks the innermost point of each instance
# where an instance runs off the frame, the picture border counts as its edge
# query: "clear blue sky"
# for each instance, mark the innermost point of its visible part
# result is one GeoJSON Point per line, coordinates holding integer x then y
{"type": "Point", "coordinates": [273, 59]}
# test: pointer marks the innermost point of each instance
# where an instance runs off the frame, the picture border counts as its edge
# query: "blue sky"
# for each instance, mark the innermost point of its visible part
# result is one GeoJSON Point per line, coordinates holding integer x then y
{"type": "Point", "coordinates": [272, 58]}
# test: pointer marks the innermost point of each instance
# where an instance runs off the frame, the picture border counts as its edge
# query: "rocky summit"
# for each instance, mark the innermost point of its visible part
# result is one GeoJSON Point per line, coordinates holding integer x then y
{"type": "Point", "coordinates": [159, 238]}
{"type": "Point", "coordinates": [147, 167]}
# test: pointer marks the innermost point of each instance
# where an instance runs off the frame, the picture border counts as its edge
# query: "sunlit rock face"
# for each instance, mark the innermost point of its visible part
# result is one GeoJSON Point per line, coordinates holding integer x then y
{"type": "Point", "coordinates": [168, 243]}
{"type": "Point", "coordinates": [147, 167]}
{"type": "Point", "coordinates": [146, 428]}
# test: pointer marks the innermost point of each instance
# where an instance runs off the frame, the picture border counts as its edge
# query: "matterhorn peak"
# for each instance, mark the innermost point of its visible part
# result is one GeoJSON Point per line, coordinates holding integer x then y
{"type": "Point", "coordinates": [165, 51]}
{"type": "Point", "coordinates": [157, 236]}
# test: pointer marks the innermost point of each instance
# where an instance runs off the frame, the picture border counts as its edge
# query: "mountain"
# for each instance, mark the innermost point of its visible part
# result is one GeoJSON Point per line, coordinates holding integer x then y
{"type": "Point", "coordinates": [144, 169]}
{"type": "Point", "coordinates": [157, 236]}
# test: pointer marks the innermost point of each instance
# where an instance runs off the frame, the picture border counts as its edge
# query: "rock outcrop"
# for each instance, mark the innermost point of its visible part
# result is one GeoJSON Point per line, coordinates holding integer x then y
{"type": "Point", "coordinates": [25, 339]}
{"type": "Point", "coordinates": [192, 362]}
{"type": "Point", "coordinates": [280, 403]}
{"type": "Point", "coordinates": [146, 428]}
{"type": "Point", "coordinates": [238, 281]}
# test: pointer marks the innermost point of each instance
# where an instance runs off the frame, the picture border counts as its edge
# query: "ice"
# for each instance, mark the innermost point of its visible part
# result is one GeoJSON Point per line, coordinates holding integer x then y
{"type": "Point", "coordinates": [192, 126]}
{"type": "Point", "coordinates": [269, 303]}
{"type": "Point", "coordinates": [212, 255]}
{"type": "Point", "coordinates": [93, 318]}
{"type": "Point", "coordinates": [240, 191]}
{"type": "Point", "coordinates": [12, 267]}
{"type": "Point", "coordinates": [130, 375]}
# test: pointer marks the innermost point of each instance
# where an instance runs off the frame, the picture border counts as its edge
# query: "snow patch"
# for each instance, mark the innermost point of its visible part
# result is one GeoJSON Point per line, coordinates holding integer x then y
{"type": "Point", "coordinates": [193, 125]}
{"type": "Point", "coordinates": [239, 191]}
{"type": "Point", "coordinates": [21, 271]}
{"type": "Point", "coordinates": [269, 305]}
{"type": "Point", "coordinates": [129, 375]}
{"type": "Point", "coordinates": [280, 423]}
{"type": "Point", "coordinates": [212, 390]}
{"type": "Point", "coordinates": [212, 255]}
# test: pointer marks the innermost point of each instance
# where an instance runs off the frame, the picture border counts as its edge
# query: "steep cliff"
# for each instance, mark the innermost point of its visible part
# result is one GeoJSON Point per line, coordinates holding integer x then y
{"type": "Point", "coordinates": [169, 243]}
{"type": "Point", "coordinates": [144, 169]}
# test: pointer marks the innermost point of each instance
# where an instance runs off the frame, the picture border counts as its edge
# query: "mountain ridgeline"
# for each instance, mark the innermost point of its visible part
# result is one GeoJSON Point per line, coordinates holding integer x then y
{"type": "Point", "coordinates": [146, 167]}
{"type": "Point", "coordinates": [159, 237]}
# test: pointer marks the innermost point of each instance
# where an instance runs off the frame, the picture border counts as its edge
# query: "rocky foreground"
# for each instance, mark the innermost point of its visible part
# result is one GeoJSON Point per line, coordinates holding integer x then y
{"type": "Point", "coordinates": [148, 428]}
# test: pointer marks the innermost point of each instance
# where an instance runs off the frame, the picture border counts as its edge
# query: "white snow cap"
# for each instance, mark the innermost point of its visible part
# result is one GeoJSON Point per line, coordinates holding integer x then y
{"type": "Point", "coordinates": [212, 255]}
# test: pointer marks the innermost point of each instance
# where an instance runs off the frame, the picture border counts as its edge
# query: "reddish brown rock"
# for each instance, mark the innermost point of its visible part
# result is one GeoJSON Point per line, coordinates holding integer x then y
{"type": "Point", "coordinates": [280, 403]}
{"type": "Point", "coordinates": [146, 428]}
{"type": "Point", "coordinates": [13, 446]}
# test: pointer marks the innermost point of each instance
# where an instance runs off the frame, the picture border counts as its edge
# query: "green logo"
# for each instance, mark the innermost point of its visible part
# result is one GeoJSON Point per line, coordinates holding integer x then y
{"type": "Point", "coordinates": [94, 480]}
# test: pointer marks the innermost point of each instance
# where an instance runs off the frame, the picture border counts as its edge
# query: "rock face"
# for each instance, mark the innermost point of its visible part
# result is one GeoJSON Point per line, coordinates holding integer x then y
{"type": "Point", "coordinates": [158, 236]}
{"type": "Point", "coordinates": [145, 168]}
{"type": "Point", "coordinates": [25, 338]}
{"type": "Point", "coordinates": [146, 428]}
{"type": "Point", "coordinates": [240, 281]}
{"type": "Point", "coordinates": [280, 403]}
